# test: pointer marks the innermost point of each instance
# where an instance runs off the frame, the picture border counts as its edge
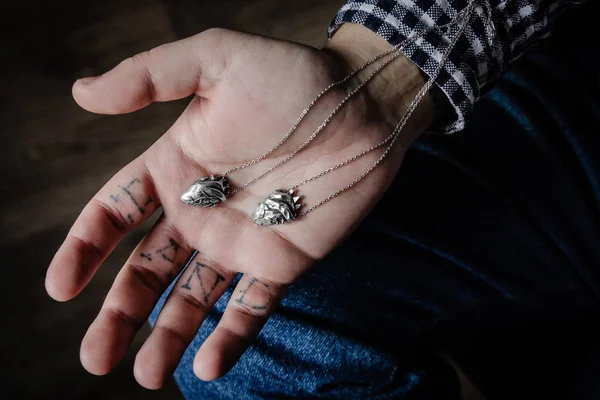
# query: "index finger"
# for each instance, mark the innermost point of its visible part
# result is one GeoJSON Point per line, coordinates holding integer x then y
{"type": "Point", "coordinates": [124, 202]}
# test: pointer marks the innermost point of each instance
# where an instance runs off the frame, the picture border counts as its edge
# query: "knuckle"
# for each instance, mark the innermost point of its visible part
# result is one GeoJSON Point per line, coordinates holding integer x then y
{"type": "Point", "coordinates": [141, 61]}
{"type": "Point", "coordinates": [122, 316]}
{"type": "Point", "coordinates": [91, 249]}
{"type": "Point", "coordinates": [243, 337]}
{"type": "Point", "coordinates": [255, 298]}
{"type": "Point", "coordinates": [115, 218]}
{"type": "Point", "coordinates": [148, 278]}
{"type": "Point", "coordinates": [216, 34]}
{"type": "Point", "coordinates": [173, 333]}
{"type": "Point", "coordinates": [221, 45]}
{"type": "Point", "coordinates": [248, 311]}
{"type": "Point", "coordinates": [192, 301]}
{"type": "Point", "coordinates": [140, 58]}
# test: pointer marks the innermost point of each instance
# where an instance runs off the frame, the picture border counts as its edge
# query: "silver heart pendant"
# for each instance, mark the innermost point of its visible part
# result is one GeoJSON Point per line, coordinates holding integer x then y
{"type": "Point", "coordinates": [278, 208]}
{"type": "Point", "coordinates": [206, 192]}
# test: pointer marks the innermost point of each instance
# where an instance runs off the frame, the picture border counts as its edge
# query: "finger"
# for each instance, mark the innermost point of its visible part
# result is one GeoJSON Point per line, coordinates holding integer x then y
{"type": "Point", "coordinates": [250, 306]}
{"type": "Point", "coordinates": [168, 72]}
{"type": "Point", "coordinates": [192, 297]}
{"type": "Point", "coordinates": [150, 269]}
{"type": "Point", "coordinates": [124, 202]}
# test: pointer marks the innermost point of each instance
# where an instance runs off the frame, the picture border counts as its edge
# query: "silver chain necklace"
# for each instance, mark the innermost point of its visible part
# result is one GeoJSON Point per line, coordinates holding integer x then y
{"type": "Point", "coordinates": [281, 205]}
{"type": "Point", "coordinates": [210, 190]}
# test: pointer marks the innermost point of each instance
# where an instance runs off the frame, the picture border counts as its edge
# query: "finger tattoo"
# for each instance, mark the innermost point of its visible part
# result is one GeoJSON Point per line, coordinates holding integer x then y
{"type": "Point", "coordinates": [168, 253]}
{"type": "Point", "coordinates": [199, 277]}
{"type": "Point", "coordinates": [127, 191]}
{"type": "Point", "coordinates": [259, 302]}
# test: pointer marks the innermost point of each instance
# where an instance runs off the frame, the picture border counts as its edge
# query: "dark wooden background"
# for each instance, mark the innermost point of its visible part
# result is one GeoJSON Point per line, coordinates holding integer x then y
{"type": "Point", "coordinates": [55, 156]}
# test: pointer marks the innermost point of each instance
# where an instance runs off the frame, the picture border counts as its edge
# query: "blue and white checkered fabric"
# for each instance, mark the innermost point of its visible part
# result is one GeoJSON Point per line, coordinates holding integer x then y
{"type": "Point", "coordinates": [480, 55]}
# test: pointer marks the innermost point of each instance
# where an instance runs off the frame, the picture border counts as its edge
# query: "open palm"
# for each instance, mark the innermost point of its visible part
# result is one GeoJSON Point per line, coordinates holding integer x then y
{"type": "Point", "coordinates": [248, 91]}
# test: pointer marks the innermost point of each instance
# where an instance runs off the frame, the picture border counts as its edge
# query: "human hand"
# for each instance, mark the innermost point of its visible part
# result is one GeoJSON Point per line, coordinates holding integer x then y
{"type": "Point", "coordinates": [248, 90]}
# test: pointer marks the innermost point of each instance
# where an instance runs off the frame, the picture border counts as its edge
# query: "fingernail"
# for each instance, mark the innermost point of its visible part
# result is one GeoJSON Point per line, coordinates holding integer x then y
{"type": "Point", "coordinates": [87, 81]}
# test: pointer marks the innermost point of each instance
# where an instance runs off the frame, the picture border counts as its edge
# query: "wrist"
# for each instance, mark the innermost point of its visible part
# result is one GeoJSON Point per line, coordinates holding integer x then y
{"type": "Point", "coordinates": [394, 87]}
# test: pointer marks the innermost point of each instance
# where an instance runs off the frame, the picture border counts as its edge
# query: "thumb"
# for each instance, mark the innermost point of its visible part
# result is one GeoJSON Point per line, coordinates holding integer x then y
{"type": "Point", "coordinates": [168, 72]}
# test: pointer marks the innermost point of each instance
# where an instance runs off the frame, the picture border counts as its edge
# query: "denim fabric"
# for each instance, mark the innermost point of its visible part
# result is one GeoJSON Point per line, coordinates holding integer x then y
{"type": "Point", "coordinates": [486, 248]}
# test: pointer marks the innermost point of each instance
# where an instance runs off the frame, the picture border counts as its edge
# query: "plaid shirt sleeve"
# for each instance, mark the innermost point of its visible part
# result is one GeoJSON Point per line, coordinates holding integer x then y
{"type": "Point", "coordinates": [478, 58]}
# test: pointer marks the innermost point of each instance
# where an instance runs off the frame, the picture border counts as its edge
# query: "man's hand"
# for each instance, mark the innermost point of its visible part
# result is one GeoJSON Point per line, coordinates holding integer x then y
{"type": "Point", "coordinates": [248, 91]}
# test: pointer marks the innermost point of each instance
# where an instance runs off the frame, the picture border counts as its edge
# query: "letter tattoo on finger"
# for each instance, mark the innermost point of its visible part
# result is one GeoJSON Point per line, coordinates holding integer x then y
{"type": "Point", "coordinates": [166, 253]}
{"type": "Point", "coordinates": [261, 304]}
{"type": "Point", "coordinates": [141, 206]}
{"type": "Point", "coordinates": [206, 284]}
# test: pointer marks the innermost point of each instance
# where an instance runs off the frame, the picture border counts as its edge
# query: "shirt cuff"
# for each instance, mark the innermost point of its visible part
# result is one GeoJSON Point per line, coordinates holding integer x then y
{"type": "Point", "coordinates": [397, 20]}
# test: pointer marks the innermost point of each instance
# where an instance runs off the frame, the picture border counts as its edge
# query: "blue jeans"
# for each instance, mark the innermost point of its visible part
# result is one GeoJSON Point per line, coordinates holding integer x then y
{"type": "Point", "coordinates": [485, 248]}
